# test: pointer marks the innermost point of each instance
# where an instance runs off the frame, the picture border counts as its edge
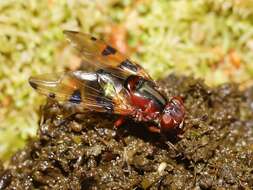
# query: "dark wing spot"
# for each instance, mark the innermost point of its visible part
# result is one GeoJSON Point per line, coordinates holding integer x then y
{"type": "Point", "coordinates": [127, 64]}
{"type": "Point", "coordinates": [105, 103]}
{"type": "Point", "coordinates": [108, 51]}
{"type": "Point", "coordinates": [51, 95]}
{"type": "Point", "coordinates": [34, 85]}
{"type": "Point", "coordinates": [93, 38]}
{"type": "Point", "coordinates": [76, 97]}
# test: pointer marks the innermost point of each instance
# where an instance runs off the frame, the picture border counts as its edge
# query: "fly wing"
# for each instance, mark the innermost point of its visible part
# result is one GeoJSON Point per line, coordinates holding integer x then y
{"type": "Point", "coordinates": [82, 89]}
{"type": "Point", "coordinates": [103, 56]}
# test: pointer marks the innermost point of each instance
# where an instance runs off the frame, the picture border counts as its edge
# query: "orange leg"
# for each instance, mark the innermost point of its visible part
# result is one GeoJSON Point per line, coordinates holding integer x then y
{"type": "Point", "coordinates": [119, 121]}
{"type": "Point", "coordinates": [154, 129]}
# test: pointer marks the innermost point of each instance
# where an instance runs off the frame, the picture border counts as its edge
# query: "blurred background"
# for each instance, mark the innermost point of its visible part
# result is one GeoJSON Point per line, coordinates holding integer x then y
{"type": "Point", "coordinates": [212, 40]}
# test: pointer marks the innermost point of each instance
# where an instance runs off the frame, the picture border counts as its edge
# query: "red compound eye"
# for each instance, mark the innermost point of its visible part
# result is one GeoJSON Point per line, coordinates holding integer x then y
{"type": "Point", "coordinates": [173, 114]}
{"type": "Point", "coordinates": [166, 122]}
{"type": "Point", "coordinates": [177, 100]}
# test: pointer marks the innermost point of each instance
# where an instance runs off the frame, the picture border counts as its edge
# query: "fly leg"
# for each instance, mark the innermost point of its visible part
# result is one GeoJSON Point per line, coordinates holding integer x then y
{"type": "Point", "coordinates": [119, 122]}
{"type": "Point", "coordinates": [153, 129]}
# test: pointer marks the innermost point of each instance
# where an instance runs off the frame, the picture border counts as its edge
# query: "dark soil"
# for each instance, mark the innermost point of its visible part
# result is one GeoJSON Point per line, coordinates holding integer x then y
{"type": "Point", "coordinates": [85, 152]}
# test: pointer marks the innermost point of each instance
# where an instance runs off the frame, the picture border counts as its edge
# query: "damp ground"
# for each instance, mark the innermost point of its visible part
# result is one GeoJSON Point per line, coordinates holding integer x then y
{"type": "Point", "coordinates": [85, 152]}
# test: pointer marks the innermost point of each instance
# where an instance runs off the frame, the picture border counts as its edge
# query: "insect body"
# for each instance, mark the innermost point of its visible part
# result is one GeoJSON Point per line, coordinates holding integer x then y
{"type": "Point", "coordinates": [118, 86]}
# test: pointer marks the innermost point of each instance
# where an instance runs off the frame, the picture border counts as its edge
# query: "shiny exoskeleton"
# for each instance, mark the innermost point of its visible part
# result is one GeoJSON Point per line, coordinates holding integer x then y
{"type": "Point", "coordinates": [118, 86]}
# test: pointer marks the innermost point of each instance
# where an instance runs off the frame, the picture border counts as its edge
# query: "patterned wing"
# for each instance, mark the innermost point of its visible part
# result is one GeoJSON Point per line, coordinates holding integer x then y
{"type": "Point", "coordinates": [84, 89]}
{"type": "Point", "coordinates": [97, 53]}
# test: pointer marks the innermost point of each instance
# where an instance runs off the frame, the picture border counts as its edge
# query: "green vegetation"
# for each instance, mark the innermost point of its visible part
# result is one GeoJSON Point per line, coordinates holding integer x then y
{"type": "Point", "coordinates": [206, 38]}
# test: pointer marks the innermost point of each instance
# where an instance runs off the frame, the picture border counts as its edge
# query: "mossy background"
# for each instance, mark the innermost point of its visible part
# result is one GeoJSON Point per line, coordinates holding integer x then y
{"type": "Point", "coordinates": [208, 39]}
